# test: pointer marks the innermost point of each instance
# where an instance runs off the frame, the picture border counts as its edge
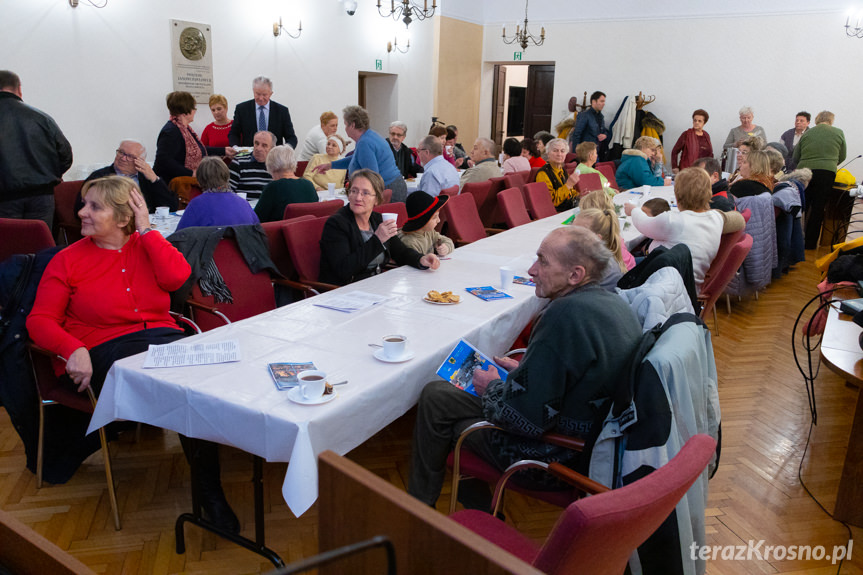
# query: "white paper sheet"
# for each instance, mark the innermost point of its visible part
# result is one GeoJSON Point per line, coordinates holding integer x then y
{"type": "Point", "coordinates": [179, 354]}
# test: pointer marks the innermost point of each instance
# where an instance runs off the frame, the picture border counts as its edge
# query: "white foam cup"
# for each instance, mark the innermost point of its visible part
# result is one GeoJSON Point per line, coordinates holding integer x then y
{"type": "Point", "coordinates": [507, 274]}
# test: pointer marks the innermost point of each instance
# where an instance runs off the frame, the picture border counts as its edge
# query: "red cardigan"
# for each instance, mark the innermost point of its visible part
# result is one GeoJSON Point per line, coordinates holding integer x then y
{"type": "Point", "coordinates": [89, 295]}
{"type": "Point", "coordinates": [688, 144]}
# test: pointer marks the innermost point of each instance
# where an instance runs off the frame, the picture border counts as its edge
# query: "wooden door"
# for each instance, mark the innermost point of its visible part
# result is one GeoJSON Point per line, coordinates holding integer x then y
{"type": "Point", "coordinates": [498, 97]}
{"type": "Point", "coordinates": [540, 91]}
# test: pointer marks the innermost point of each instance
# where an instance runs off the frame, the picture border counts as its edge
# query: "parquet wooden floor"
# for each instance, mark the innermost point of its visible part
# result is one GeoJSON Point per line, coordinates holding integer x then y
{"type": "Point", "coordinates": [755, 495]}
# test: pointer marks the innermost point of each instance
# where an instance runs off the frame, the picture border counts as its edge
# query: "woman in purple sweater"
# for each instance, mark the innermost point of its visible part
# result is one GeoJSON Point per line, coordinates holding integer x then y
{"type": "Point", "coordinates": [218, 205]}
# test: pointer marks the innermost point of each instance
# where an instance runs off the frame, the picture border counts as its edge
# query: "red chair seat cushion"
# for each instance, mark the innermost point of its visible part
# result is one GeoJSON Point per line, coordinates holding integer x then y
{"type": "Point", "coordinates": [498, 532]}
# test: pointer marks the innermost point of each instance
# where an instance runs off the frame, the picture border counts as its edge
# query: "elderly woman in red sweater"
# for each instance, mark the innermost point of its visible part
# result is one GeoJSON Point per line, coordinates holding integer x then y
{"type": "Point", "coordinates": [692, 144]}
{"type": "Point", "coordinates": [107, 296]}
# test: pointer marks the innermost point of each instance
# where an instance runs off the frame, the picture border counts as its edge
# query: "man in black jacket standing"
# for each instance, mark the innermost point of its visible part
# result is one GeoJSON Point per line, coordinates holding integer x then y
{"type": "Point", "coordinates": [34, 155]}
{"type": "Point", "coordinates": [261, 115]}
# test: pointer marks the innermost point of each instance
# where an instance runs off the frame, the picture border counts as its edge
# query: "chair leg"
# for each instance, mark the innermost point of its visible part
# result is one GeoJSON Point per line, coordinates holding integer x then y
{"type": "Point", "coordinates": [40, 447]}
{"type": "Point", "coordinates": [715, 320]}
{"type": "Point", "coordinates": [106, 455]}
{"type": "Point", "coordinates": [728, 303]}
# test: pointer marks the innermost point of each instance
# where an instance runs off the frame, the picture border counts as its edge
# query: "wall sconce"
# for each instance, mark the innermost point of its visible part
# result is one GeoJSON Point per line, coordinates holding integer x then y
{"type": "Point", "coordinates": [277, 29]}
{"type": "Point", "coordinates": [394, 45]}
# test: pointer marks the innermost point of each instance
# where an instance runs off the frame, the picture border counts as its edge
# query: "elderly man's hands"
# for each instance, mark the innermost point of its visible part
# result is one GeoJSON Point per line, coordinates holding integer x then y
{"type": "Point", "coordinates": [482, 377]}
{"type": "Point", "coordinates": [145, 170]}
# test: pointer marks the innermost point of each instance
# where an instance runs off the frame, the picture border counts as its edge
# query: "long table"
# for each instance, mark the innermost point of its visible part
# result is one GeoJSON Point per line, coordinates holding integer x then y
{"type": "Point", "coordinates": [237, 403]}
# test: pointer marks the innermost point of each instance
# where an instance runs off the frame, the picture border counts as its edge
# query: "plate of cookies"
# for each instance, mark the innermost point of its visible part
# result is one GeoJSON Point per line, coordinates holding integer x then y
{"type": "Point", "coordinates": [441, 298]}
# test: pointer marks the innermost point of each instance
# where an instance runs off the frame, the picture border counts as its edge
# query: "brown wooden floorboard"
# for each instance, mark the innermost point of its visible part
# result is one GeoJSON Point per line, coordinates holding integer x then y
{"type": "Point", "coordinates": [755, 494]}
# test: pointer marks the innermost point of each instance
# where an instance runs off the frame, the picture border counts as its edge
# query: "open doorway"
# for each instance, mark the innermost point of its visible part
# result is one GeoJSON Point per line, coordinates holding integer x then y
{"type": "Point", "coordinates": [521, 100]}
{"type": "Point", "coordinates": [378, 94]}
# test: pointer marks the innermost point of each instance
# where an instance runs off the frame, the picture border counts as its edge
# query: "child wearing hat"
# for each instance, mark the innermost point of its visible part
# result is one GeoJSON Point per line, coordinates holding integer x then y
{"type": "Point", "coordinates": [419, 231]}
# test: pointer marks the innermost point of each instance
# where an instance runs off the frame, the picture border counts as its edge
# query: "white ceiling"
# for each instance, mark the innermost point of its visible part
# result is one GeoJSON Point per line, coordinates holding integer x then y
{"type": "Point", "coordinates": [506, 11]}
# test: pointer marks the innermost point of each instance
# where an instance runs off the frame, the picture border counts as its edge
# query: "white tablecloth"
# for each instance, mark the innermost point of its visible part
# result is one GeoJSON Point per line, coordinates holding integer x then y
{"type": "Point", "coordinates": [238, 404]}
{"type": "Point", "coordinates": [638, 196]}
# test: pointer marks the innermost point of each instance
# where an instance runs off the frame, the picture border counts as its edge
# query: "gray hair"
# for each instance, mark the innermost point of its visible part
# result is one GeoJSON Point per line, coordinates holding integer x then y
{"type": "Point", "coordinates": [433, 145]}
{"type": "Point", "coordinates": [357, 117]}
{"type": "Point", "coordinates": [262, 80]}
{"type": "Point", "coordinates": [488, 145]}
{"type": "Point", "coordinates": [281, 159]}
{"type": "Point", "coordinates": [746, 111]}
{"type": "Point", "coordinates": [213, 174]}
{"type": "Point", "coordinates": [557, 142]}
{"type": "Point", "coordinates": [400, 125]}
{"type": "Point", "coordinates": [272, 136]}
{"type": "Point", "coordinates": [133, 141]}
{"type": "Point", "coordinates": [584, 248]}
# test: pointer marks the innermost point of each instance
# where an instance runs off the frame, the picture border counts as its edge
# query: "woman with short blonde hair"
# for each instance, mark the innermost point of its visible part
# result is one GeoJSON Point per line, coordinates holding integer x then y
{"type": "Point", "coordinates": [635, 170]}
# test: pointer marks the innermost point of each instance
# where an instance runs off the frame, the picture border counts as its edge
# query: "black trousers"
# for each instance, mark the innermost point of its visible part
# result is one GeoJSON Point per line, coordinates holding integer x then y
{"type": "Point", "coordinates": [819, 190]}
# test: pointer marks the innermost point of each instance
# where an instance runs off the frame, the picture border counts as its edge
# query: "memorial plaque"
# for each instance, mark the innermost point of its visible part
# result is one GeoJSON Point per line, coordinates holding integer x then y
{"type": "Point", "coordinates": [192, 59]}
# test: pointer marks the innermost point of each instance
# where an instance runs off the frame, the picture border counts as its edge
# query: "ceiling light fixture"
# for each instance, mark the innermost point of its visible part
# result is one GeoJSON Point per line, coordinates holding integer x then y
{"type": "Point", "coordinates": [522, 35]}
{"type": "Point", "coordinates": [408, 10]}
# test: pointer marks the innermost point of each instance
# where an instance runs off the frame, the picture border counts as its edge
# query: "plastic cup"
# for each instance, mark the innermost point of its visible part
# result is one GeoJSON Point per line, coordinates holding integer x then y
{"type": "Point", "coordinates": [394, 345]}
{"type": "Point", "coordinates": [312, 384]}
{"type": "Point", "coordinates": [507, 274]}
{"type": "Point", "coordinates": [331, 190]}
{"type": "Point", "coordinates": [389, 216]}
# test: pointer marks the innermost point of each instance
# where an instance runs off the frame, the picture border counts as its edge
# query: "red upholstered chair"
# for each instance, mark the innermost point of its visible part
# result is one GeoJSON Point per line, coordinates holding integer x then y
{"type": "Point", "coordinates": [512, 207]}
{"type": "Point", "coordinates": [252, 293]}
{"type": "Point", "coordinates": [301, 169]}
{"type": "Point", "coordinates": [451, 191]}
{"type": "Point", "coordinates": [489, 212]}
{"type": "Point", "coordinates": [479, 192]}
{"type": "Point", "coordinates": [719, 276]}
{"type": "Point", "coordinates": [570, 168]}
{"type": "Point", "coordinates": [65, 217]}
{"type": "Point", "coordinates": [317, 209]}
{"type": "Point", "coordinates": [388, 196]}
{"type": "Point", "coordinates": [570, 158]}
{"type": "Point", "coordinates": [588, 183]}
{"type": "Point", "coordinates": [597, 535]}
{"type": "Point", "coordinates": [303, 239]}
{"type": "Point", "coordinates": [533, 173]}
{"type": "Point", "coordinates": [398, 208]}
{"type": "Point", "coordinates": [747, 213]}
{"type": "Point", "coordinates": [607, 170]}
{"type": "Point", "coordinates": [538, 200]}
{"type": "Point", "coordinates": [278, 249]}
{"type": "Point", "coordinates": [52, 392]}
{"type": "Point", "coordinates": [517, 179]}
{"type": "Point", "coordinates": [463, 219]}
{"type": "Point", "coordinates": [23, 237]}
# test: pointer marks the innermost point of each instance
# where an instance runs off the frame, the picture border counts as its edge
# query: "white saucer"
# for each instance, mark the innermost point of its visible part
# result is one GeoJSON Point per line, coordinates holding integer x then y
{"type": "Point", "coordinates": [296, 395]}
{"type": "Point", "coordinates": [379, 354]}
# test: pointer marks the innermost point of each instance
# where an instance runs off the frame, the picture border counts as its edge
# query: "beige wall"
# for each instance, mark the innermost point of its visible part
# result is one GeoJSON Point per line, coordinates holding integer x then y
{"type": "Point", "coordinates": [459, 77]}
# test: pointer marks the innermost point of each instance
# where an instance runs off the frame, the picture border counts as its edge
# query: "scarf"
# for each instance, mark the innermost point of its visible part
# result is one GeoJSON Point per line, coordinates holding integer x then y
{"type": "Point", "coordinates": [764, 179]}
{"type": "Point", "coordinates": [193, 148]}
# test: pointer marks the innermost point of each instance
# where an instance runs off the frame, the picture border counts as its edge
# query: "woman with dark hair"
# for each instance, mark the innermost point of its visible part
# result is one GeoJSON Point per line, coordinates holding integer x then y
{"type": "Point", "coordinates": [356, 242]}
{"type": "Point", "coordinates": [178, 149]}
{"type": "Point", "coordinates": [441, 133]}
{"type": "Point", "coordinates": [530, 150]}
{"type": "Point", "coordinates": [692, 144]}
{"type": "Point", "coordinates": [457, 152]}
{"type": "Point", "coordinates": [513, 161]}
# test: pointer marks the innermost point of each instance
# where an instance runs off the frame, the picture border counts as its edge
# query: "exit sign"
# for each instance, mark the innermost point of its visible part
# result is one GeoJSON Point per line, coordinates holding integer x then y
{"type": "Point", "coordinates": [516, 56]}
{"type": "Point", "coordinates": [379, 65]}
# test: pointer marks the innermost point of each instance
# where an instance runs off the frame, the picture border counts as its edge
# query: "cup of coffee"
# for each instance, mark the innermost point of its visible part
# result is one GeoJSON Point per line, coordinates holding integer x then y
{"type": "Point", "coordinates": [242, 194]}
{"type": "Point", "coordinates": [394, 346]}
{"type": "Point", "coordinates": [312, 383]}
{"type": "Point", "coordinates": [389, 216]}
{"type": "Point", "coordinates": [163, 211]}
{"type": "Point", "coordinates": [506, 276]}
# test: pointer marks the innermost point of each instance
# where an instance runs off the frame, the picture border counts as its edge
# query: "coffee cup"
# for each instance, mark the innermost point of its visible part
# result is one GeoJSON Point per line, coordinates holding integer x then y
{"type": "Point", "coordinates": [163, 211]}
{"type": "Point", "coordinates": [389, 216]}
{"type": "Point", "coordinates": [394, 346]}
{"type": "Point", "coordinates": [242, 194]}
{"type": "Point", "coordinates": [507, 274]}
{"type": "Point", "coordinates": [312, 384]}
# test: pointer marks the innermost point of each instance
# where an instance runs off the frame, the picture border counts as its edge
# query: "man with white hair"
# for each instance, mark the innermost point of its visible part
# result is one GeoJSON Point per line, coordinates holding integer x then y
{"type": "Point", "coordinates": [484, 163]}
{"type": "Point", "coordinates": [438, 173]}
{"type": "Point", "coordinates": [580, 346]}
{"type": "Point", "coordinates": [402, 154]}
{"type": "Point", "coordinates": [130, 160]}
{"type": "Point", "coordinates": [261, 114]}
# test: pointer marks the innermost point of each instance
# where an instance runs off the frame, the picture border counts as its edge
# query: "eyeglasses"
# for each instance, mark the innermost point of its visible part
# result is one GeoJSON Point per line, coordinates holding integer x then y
{"type": "Point", "coordinates": [361, 194]}
{"type": "Point", "coordinates": [126, 156]}
{"type": "Point", "coordinates": [396, 135]}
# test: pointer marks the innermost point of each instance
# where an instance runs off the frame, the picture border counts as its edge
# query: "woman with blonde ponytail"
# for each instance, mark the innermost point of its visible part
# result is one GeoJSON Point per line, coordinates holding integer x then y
{"type": "Point", "coordinates": [604, 223]}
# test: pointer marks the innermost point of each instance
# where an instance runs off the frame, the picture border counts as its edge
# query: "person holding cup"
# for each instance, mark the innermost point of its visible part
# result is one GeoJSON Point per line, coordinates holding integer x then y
{"type": "Point", "coordinates": [218, 205]}
{"type": "Point", "coordinates": [321, 180]}
{"type": "Point", "coordinates": [356, 242]}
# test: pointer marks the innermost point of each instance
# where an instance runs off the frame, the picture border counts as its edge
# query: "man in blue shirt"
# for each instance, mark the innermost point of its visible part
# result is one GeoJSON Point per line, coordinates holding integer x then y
{"type": "Point", "coordinates": [590, 123]}
{"type": "Point", "coordinates": [438, 174]}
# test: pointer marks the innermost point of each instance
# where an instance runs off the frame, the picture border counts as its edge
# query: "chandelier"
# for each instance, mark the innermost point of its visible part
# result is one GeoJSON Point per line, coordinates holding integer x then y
{"type": "Point", "coordinates": [855, 31]}
{"type": "Point", "coordinates": [522, 36]}
{"type": "Point", "coordinates": [408, 10]}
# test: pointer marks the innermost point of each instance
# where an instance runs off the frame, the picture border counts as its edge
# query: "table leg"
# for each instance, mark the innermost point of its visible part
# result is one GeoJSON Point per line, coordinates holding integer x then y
{"type": "Point", "coordinates": [849, 499]}
{"type": "Point", "coordinates": [258, 546]}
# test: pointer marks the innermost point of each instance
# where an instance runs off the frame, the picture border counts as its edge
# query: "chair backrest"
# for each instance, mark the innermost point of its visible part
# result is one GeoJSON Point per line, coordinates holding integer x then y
{"type": "Point", "coordinates": [726, 242]}
{"type": "Point", "coordinates": [570, 168]}
{"type": "Point", "coordinates": [715, 284]}
{"type": "Point", "coordinates": [596, 535]}
{"type": "Point", "coordinates": [538, 200]}
{"type": "Point", "coordinates": [747, 213]}
{"type": "Point", "coordinates": [252, 293]}
{"type": "Point", "coordinates": [398, 208]}
{"type": "Point", "coordinates": [278, 249]}
{"type": "Point", "coordinates": [186, 188]}
{"type": "Point", "coordinates": [463, 219]}
{"type": "Point", "coordinates": [451, 191]}
{"type": "Point", "coordinates": [65, 214]}
{"type": "Point", "coordinates": [512, 206]}
{"type": "Point", "coordinates": [23, 237]}
{"type": "Point", "coordinates": [303, 239]}
{"type": "Point", "coordinates": [588, 183]}
{"type": "Point", "coordinates": [489, 212]}
{"type": "Point", "coordinates": [570, 158]}
{"type": "Point", "coordinates": [607, 170]}
{"type": "Point", "coordinates": [317, 209]}
{"type": "Point", "coordinates": [533, 173]}
{"type": "Point", "coordinates": [388, 196]}
{"type": "Point", "coordinates": [517, 179]}
{"type": "Point", "coordinates": [301, 168]}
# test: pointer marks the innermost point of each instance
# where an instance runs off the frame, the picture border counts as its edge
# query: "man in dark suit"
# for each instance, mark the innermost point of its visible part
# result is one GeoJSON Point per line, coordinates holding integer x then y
{"type": "Point", "coordinates": [130, 161]}
{"type": "Point", "coordinates": [259, 115]}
